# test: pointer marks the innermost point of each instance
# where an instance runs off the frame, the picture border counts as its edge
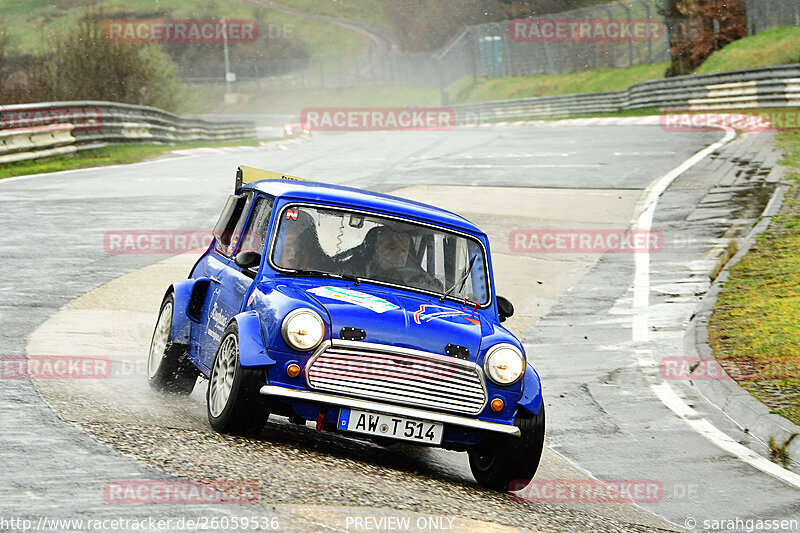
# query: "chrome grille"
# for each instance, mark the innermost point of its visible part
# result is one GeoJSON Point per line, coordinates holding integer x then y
{"type": "Point", "coordinates": [397, 375]}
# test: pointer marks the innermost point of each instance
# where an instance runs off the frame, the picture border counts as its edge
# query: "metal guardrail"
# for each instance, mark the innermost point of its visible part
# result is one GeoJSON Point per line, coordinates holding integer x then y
{"type": "Point", "coordinates": [31, 131]}
{"type": "Point", "coordinates": [768, 87]}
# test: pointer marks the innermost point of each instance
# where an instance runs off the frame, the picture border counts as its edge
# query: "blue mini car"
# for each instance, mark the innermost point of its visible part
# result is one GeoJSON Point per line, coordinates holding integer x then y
{"type": "Point", "coordinates": [364, 313]}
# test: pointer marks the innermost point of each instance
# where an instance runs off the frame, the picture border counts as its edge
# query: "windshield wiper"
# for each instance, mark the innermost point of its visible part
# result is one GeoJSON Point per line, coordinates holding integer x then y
{"type": "Point", "coordinates": [461, 281]}
{"type": "Point", "coordinates": [322, 274]}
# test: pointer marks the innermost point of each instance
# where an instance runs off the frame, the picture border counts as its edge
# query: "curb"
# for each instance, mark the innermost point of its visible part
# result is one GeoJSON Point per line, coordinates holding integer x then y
{"type": "Point", "coordinates": [739, 405]}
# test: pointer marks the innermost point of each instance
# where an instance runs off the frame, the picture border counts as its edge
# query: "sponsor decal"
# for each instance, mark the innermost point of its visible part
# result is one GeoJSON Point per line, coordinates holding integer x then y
{"type": "Point", "coordinates": [362, 299]}
{"type": "Point", "coordinates": [428, 312]}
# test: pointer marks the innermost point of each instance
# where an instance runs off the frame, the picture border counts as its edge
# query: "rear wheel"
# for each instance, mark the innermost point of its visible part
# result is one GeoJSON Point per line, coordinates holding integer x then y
{"type": "Point", "coordinates": [168, 366]}
{"type": "Point", "coordinates": [498, 464]}
{"type": "Point", "coordinates": [233, 401]}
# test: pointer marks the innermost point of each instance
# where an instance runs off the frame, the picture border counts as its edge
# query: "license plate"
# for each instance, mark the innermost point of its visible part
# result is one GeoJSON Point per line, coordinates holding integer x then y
{"type": "Point", "coordinates": [395, 427]}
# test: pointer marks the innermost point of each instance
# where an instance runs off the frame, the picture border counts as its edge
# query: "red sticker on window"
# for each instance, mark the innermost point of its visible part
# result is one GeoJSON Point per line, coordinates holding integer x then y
{"type": "Point", "coordinates": [291, 214]}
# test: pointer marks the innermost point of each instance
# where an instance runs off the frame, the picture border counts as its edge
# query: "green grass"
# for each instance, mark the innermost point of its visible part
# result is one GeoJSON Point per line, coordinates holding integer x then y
{"type": "Point", "coordinates": [756, 319]}
{"type": "Point", "coordinates": [30, 23]}
{"type": "Point", "coordinates": [293, 102]}
{"type": "Point", "coordinates": [773, 47]}
{"type": "Point", "coordinates": [369, 11]}
{"type": "Point", "coordinates": [590, 81]}
{"type": "Point", "coordinates": [110, 155]}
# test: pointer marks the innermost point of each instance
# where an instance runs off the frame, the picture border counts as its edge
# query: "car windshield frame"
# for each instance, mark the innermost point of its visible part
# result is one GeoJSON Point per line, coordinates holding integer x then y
{"type": "Point", "coordinates": [280, 211]}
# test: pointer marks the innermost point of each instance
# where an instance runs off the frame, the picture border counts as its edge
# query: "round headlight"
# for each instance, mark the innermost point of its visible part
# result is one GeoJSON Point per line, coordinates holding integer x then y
{"type": "Point", "coordinates": [504, 364]}
{"type": "Point", "coordinates": [303, 329]}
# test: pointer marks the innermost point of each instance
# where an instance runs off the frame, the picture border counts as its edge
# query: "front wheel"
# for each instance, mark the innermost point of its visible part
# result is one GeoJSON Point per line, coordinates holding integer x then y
{"type": "Point", "coordinates": [233, 401]}
{"type": "Point", "coordinates": [168, 366]}
{"type": "Point", "coordinates": [496, 463]}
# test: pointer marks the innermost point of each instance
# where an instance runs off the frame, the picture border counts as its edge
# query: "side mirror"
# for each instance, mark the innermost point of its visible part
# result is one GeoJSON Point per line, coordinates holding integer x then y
{"type": "Point", "coordinates": [505, 308]}
{"type": "Point", "coordinates": [247, 260]}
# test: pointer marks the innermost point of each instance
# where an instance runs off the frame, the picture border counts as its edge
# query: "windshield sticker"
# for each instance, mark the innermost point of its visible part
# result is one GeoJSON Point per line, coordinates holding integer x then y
{"type": "Point", "coordinates": [427, 312]}
{"type": "Point", "coordinates": [373, 303]}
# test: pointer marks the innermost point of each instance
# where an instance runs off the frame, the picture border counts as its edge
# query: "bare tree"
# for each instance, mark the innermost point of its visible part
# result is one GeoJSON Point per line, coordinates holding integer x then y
{"type": "Point", "coordinates": [698, 28]}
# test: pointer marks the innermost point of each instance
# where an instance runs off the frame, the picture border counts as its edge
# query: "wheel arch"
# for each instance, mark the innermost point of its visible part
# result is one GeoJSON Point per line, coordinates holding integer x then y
{"type": "Point", "coordinates": [189, 295]}
{"type": "Point", "coordinates": [252, 349]}
{"type": "Point", "coordinates": [531, 399]}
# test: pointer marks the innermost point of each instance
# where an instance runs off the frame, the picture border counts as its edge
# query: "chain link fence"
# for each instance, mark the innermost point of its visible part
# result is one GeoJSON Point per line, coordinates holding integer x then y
{"type": "Point", "coordinates": [492, 50]}
{"type": "Point", "coordinates": [763, 15]}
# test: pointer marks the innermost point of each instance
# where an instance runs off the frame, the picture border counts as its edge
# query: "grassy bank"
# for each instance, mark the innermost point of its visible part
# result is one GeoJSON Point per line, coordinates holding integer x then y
{"type": "Point", "coordinates": [590, 81]}
{"type": "Point", "coordinates": [753, 331]}
{"type": "Point", "coordinates": [110, 155]}
{"type": "Point", "coordinates": [773, 47]}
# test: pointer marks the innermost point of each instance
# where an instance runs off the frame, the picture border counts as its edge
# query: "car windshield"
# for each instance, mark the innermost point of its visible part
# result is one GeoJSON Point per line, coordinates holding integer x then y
{"type": "Point", "coordinates": [340, 242]}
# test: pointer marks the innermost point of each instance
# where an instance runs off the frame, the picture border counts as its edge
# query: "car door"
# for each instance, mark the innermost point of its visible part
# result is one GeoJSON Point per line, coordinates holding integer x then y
{"type": "Point", "coordinates": [232, 283]}
{"type": "Point", "coordinates": [206, 333]}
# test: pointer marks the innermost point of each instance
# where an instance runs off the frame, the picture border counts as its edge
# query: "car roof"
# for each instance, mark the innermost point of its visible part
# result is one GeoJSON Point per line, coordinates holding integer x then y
{"type": "Point", "coordinates": [361, 199]}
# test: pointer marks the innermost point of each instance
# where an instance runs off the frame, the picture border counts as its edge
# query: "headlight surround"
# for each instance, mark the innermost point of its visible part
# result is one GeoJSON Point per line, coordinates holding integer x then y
{"type": "Point", "coordinates": [303, 329]}
{"type": "Point", "coordinates": [504, 364]}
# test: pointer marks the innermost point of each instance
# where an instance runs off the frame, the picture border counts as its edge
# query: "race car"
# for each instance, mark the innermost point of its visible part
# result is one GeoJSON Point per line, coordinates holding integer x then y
{"type": "Point", "coordinates": [296, 128]}
{"type": "Point", "coordinates": [363, 313]}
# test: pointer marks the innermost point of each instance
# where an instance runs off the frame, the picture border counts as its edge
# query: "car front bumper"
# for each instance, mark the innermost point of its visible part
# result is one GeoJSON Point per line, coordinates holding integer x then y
{"type": "Point", "coordinates": [399, 410]}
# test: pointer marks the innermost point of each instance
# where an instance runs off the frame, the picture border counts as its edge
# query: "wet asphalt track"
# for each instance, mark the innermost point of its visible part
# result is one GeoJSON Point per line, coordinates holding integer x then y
{"type": "Point", "coordinates": [53, 248]}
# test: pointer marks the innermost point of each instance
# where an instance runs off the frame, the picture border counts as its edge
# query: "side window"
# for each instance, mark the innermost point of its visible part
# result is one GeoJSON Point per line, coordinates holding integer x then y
{"type": "Point", "coordinates": [229, 225]}
{"type": "Point", "coordinates": [256, 233]}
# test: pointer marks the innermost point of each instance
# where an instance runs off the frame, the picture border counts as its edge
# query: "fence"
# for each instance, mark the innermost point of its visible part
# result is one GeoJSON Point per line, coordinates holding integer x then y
{"type": "Point", "coordinates": [29, 131]}
{"type": "Point", "coordinates": [770, 87]}
{"type": "Point", "coordinates": [766, 14]}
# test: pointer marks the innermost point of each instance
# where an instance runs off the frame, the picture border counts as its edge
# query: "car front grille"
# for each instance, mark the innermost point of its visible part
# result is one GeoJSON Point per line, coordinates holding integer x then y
{"type": "Point", "coordinates": [397, 375]}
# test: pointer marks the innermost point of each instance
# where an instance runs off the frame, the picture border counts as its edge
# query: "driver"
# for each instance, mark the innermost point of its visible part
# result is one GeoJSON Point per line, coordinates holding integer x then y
{"type": "Point", "coordinates": [393, 262]}
{"type": "Point", "coordinates": [295, 254]}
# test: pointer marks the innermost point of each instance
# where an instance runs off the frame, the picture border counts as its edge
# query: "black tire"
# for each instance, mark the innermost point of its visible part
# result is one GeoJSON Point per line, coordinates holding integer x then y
{"type": "Point", "coordinates": [242, 410]}
{"type": "Point", "coordinates": [510, 461]}
{"type": "Point", "coordinates": [168, 366]}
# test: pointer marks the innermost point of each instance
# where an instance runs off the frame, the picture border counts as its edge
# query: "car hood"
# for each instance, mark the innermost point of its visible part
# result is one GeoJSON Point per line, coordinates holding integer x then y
{"type": "Point", "coordinates": [399, 318]}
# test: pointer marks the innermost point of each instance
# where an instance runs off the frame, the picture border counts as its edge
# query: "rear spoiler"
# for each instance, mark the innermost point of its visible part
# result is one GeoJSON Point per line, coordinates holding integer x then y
{"type": "Point", "coordinates": [245, 175]}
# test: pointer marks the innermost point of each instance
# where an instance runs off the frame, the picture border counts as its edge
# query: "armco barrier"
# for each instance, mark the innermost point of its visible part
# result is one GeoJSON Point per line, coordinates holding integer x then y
{"type": "Point", "coordinates": [29, 131]}
{"type": "Point", "coordinates": [767, 87]}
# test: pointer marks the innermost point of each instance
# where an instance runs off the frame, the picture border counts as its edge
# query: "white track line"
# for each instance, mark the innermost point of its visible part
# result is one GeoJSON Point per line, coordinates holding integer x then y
{"type": "Point", "coordinates": [640, 331]}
